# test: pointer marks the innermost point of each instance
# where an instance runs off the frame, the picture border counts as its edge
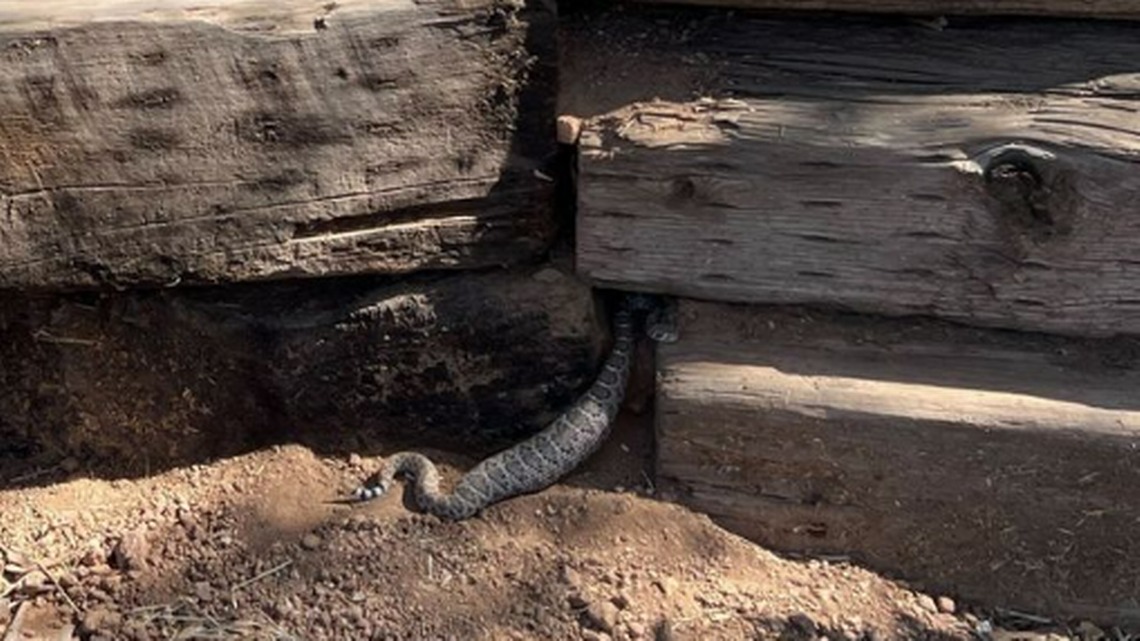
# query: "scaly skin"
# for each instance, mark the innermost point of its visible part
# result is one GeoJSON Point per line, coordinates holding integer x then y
{"type": "Point", "coordinates": [539, 461]}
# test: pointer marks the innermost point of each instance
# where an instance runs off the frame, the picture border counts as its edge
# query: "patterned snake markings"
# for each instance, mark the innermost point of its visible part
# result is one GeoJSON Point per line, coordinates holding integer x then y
{"type": "Point", "coordinates": [538, 462]}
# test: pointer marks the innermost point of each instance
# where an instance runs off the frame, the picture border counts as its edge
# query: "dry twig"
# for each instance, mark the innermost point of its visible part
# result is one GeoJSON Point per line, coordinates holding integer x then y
{"type": "Point", "coordinates": [66, 597]}
{"type": "Point", "coordinates": [262, 575]}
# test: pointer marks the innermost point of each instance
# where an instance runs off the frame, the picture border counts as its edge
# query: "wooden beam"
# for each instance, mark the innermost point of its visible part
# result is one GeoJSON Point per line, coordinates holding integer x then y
{"type": "Point", "coordinates": [985, 174]}
{"type": "Point", "coordinates": [468, 361]}
{"type": "Point", "coordinates": [995, 466]}
{"type": "Point", "coordinates": [162, 142]}
{"type": "Point", "coordinates": [1060, 8]}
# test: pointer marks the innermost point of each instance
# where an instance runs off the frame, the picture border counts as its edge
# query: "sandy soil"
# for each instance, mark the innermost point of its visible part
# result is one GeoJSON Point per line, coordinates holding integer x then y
{"type": "Point", "coordinates": [251, 548]}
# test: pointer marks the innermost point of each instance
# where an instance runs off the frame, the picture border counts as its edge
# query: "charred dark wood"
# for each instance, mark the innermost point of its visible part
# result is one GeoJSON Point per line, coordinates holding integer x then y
{"type": "Point", "coordinates": [470, 362]}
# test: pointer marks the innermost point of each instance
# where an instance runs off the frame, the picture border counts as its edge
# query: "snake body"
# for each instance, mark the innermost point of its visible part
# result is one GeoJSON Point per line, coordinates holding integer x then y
{"type": "Point", "coordinates": [539, 461]}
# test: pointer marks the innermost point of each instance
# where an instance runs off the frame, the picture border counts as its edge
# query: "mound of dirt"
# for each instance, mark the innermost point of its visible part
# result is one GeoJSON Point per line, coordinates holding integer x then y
{"type": "Point", "coordinates": [249, 548]}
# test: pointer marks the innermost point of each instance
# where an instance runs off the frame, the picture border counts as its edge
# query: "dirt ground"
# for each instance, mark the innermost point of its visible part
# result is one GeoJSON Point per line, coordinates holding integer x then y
{"type": "Point", "coordinates": [251, 548]}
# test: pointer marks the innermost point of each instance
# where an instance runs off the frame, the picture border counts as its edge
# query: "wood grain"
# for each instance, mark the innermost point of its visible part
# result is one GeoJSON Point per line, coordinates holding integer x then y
{"type": "Point", "coordinates": [1066, 8]}
{"type": "Point", "coordinates": [157, 143]}
{"type": "Point", "coordinates": [985, 174]}
{"type": "Point", "coordinates": [994, 467]}
{"type": "Point", "coordinates": [467, 361]}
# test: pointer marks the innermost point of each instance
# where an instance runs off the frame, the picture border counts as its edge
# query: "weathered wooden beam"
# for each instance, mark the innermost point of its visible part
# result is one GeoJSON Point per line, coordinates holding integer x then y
{"type": "Point", "coordinates": [167, 141]}
{"type": "Point", "coordinates": [467, 361]}
{"type": "Point", "coordinates": [985, 174]}
{"type": "Point", "coordinates": [1062, 8]}
{"type": "Point", "coordinates": [995, 466]}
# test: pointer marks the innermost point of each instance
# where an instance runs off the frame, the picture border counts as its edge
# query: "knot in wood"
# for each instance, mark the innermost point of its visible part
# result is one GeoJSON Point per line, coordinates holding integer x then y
{"type": "Point", "coordinates": [1032, 194]}
{"type": "Point", "coordinates": [682, 190]}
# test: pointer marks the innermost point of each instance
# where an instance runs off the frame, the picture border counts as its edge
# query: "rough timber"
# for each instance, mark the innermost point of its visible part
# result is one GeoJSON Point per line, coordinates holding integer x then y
{"type": "Point", "coordinates": [469, 360]}
{"type": "Point", "coordinates": [985, 173]}
{"type": "Point", "coordinates": [994, 466]}
{"type": "Point", "coordinates": [158, 142]}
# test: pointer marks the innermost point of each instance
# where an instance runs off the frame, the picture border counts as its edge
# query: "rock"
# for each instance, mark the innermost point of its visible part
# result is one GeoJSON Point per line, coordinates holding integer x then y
{"type": "Point", "coordinates": [570, 576]}
{"type": "Point", "coordinates": [802, 623]}
{"type": "Point", "coordinates": [130, 552]}
{"type": "Point", "coordinates": [946, 605]}
{"type": "Point", "coordinates": [186, 519]}
{"type": "Point", "coordinates": [548, 275]}
{"type": "Point", "coordinates": [93, 557]}
{"type": "Point", "coordinates": [203, 591]}
{"type": "Point", "coordinates": [310, 541]}
{"type": "Point", "coordinates": [602, 615]}
{"type": "Point", "coordinates": [621, 600]}
{"type": "Point", "coordinates": [1089, 630]}
{"type": "Point", "coordinates": [109, 582]}
{"type": "Point", "coordinates": [593, 635]}
{"type": "Point", "coordinates": [135, 630]}
{"type": "Point", "coordinates": [636, 630]}
{"type": "Point", "coordinates": [926, 603]}
{"type": "Point", "coordinates": [102, 621]}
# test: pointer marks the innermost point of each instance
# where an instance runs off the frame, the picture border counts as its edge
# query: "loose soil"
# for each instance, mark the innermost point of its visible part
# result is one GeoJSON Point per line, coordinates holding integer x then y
{"type": "Point", "coordinates": [251, 548]}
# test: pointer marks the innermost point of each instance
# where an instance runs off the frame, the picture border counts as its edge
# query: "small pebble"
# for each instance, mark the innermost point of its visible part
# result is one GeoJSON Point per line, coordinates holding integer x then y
{"type": "Point", "coordinates": [92, 557]}
{"type": "Point", "coordinates": [802, 623]}
{"type": "Point", "coordinates": [602, 615]}
{"type": "Point", "coordinates": [946, 605]}
{"type": "Point", "coordinates": [548, 275]}
{"type": "Point", "coordinates": [110, 582]}
{"type": "Point", "coordinates": [130, 552]}
{"type": "Point", "coordinates": [186, 518]}
{"type": "Point", "coordinates": [34, 582]}
{"type": "Point", "coordinates": [101, 620]}
{"type": "Point", "coordinates": [310, 541]}
{"type": "Point", "coordinates": [97, 594]}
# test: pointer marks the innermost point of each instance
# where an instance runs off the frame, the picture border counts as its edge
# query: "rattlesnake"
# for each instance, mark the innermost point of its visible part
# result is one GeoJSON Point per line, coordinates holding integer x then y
{"type": "Point", "coordinates": [538, 462]}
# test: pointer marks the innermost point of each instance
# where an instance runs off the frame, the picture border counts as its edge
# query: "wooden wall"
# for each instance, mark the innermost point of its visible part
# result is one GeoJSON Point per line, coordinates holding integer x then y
{"type": "Point", "coordinates": [998, 467]}
{"type": "Point", "coordinates": [984, 174]}
{"type": "Point", "coordinates": [174, 142]}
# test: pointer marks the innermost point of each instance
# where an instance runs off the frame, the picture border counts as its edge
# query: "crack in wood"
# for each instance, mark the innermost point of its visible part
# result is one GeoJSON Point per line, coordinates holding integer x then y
{"type": "Point", "coordinates": [468, 211]}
